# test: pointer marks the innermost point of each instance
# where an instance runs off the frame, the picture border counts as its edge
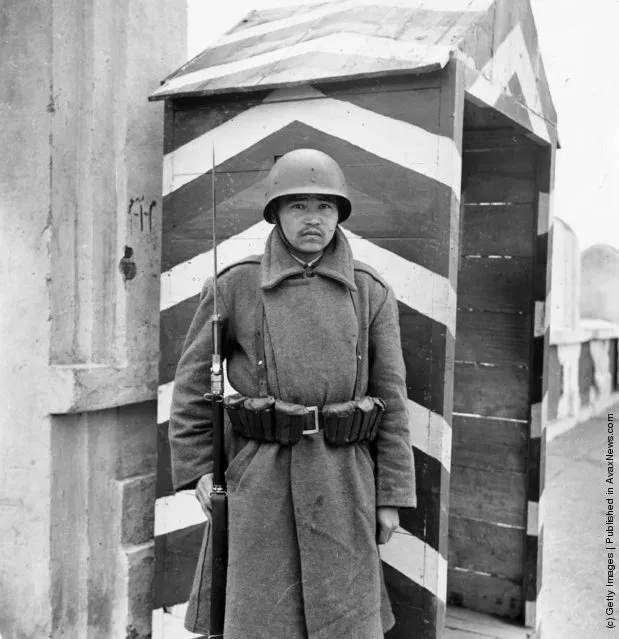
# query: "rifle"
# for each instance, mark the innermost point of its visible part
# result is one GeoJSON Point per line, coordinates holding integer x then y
{"type": "Point", "coordinates": [219, 496]}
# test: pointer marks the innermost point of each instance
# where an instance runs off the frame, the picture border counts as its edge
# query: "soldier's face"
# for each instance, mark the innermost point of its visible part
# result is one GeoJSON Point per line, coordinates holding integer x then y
{"type": "Point", "coordinates": [308, 221]}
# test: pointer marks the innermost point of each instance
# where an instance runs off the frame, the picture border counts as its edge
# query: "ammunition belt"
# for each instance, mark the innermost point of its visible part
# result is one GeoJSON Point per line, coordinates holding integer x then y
{"type": "Point", "coordinates": [267, 419]}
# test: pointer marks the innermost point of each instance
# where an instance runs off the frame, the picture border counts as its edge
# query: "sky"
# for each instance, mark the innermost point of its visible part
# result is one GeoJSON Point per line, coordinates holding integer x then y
{"type": "Point", "coordinates": [577, 43]}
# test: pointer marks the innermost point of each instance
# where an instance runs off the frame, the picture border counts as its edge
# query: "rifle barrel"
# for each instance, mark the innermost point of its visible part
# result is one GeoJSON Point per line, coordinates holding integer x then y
{"type": "Point", "coordinates": [219, 497]}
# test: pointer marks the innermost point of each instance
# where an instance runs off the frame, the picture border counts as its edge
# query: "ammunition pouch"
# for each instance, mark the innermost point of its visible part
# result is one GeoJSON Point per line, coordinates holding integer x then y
{"type": "Point", "coordinates": [267, 419]}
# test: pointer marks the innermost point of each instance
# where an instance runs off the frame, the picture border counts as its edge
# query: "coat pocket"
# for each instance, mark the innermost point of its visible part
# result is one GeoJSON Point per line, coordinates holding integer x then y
{"type": "Point", "coordinates": [240, 463]}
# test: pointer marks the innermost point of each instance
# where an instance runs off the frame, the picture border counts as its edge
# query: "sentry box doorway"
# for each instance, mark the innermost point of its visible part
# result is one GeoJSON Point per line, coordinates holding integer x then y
{"type": "Point", "coordinates": [441, 118]}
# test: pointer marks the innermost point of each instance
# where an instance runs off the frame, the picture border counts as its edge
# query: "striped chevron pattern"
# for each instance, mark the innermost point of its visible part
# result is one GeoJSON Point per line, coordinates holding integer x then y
{"type": "Point", "coordinates": [372, 38]}
{"type": "Point", "coordinates": [409, 247]}
{"type": "Point", "coordinates": [539, 396]}
{"type": "Point", "coordinates": [393, 121]}
{"type": "Point", "coordinates": [510, 77]}
{"type": "Point", "coordinates": [362, 38]}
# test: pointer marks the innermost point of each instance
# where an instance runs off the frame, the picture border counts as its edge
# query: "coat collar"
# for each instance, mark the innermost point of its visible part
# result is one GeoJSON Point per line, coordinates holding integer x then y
{"type": "Point", "coordinates": [337, 262]}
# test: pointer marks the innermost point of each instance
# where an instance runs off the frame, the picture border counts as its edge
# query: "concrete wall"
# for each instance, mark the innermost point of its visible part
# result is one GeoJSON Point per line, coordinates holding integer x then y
{"type": "Point", "coordinates": [564, 309]}
{"type": "Point", "coordinates": [599, 295]}
{"type": "Point", "coordinates": [583, 364]}
{"type": "Point", "coordinates": [80, 178]}
{"type": "Point", "coordinates": [25, 234]}
{"type": "Point", "coordinates": [583, 355]}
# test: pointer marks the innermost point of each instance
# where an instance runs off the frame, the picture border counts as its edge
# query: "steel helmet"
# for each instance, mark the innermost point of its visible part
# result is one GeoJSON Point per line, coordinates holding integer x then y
{"type": "Point", "coordinates": [306, 171]}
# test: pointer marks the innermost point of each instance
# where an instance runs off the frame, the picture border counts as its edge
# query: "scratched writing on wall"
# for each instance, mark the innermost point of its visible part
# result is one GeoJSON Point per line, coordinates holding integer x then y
{"type": "Point", "coordinates": [137, 210]}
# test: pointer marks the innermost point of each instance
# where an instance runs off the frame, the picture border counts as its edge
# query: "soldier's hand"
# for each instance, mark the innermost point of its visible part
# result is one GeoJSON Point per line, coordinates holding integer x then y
{"type": "Point", "coordinates": [387, 519]}
{"type": "Point", "coordinates": [203, 493]}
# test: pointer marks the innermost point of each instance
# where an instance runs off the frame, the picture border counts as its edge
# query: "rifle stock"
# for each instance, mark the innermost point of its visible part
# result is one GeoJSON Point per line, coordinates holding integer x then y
{"type": "Point", "coordinates": [219, 532]}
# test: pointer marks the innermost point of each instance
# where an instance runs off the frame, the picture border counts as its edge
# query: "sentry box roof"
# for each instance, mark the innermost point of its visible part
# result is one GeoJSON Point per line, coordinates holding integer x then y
{"type": "Point", "coordinates": [354, 39]}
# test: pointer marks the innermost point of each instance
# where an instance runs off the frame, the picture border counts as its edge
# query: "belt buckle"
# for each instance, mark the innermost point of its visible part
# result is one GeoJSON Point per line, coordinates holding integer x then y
{"type": "Point", "coordinates": [313, 431]}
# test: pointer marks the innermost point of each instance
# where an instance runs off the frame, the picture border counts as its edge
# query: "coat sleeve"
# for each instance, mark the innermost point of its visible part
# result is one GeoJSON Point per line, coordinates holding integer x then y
{"type": "Point", "coordinates": [190, 426]}
{"type": "Point", "coordinates": [395, 471]}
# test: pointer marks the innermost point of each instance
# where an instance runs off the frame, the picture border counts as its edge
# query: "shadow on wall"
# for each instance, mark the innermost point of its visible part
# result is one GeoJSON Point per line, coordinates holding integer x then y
{"type": "Point", "coordinates": [584, 332]}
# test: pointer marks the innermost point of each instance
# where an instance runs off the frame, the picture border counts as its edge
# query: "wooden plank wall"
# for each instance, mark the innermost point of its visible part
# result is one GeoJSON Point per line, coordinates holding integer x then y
{"type": "Point", "coordinates": [492, 388]}
{"type": "Point", "coordinates": [393, 139]}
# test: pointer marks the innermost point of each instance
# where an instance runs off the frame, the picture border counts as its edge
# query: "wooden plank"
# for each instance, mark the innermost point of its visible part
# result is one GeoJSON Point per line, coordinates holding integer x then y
{"type": "Point", "coordinates": [499, 158]}
{"type": "Point", "coordinates": [382, 21]}
{"type": "Point", "coordinates": [507, 138]}
{"type": "Point", "coordinates": [192, 200]}
{"type": "Point", "coordinates": [438, 25]}
{"type": "Point", "coordinates": [510, 14]}
{"type": "Point", "coordinates": [295, 135]}
{"type": "Point", "coordinates": [327, 43]}
{"type": "Point", "coordinates": [176, 556]}
{"type": "Point", "coordinates": [555, 382]}
{"type": "Point", "coordinates": [193, 118]}
{"type": "Point", "coordinates": [466, 624]}
{"type": "Point", "coordinates": [413, 605]}
{"type": "Point", "coordinates": [164, 463]}
{"type": "Point", "coordinates": [485, 547]}
{"type": "Point", "coordinates": [491, 188]}
{"type": "Point", "coordinates": [260, 155]}
{"type": "Point", "coordinates": [493, 338]}
{"type": "Point", "coordinates": [256, 18]}
{"type": "Point", "coordinates": [225, 53]}
{"type": "Point", "coordinates": [418, 107]}
{"type": "Point", "coordinates": [477, 44]}
{"type": "Point", "coordinates": [497, 285]}
{"type": "Point", "coordinates": [483, 593]}
{"type": "Point", "coordinates": [532, 583]}
{"type": "Point", "coordinates": [491, 391]}
{"type": "Point", "coordinates": [427, 253]}
{"type": "Point", "coordinates": [489, 444]}
{"type": "Point", "coordinates": [387, 84]}
{"type": "Point", "coordinates": [499, 175]}
{"type": "Point", "coordinates": [492, 496]}
{"type": "Point", "coordinates": [425, 521]}
{"type": "Point", "coordinates": [424, 356]}
{"type": "Point", "coordinates": [334, 57]}
{"type": "Point", "coordinates": [479, 118]}
{"type": "Point", "coordinates": [174, 324]}
{"type": "Point", "coordinates": [498, 230]}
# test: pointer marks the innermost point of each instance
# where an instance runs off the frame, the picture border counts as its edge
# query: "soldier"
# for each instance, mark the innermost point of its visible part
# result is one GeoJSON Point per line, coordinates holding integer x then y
{"type": "Point", "coordinates": [317, 437]}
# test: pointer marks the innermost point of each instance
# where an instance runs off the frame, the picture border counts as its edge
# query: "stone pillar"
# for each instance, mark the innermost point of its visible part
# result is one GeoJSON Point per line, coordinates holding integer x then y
{"type": "Point", "coordinates": [80, 184]}
{"type": "Point", "coordinates": [600, 282]}
{"type": "Point", "coordinates": [565, 307]}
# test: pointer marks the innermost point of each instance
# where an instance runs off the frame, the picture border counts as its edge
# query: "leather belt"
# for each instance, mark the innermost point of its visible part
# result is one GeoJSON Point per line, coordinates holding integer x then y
{"type": "Point", "coordinates": [269, 420]}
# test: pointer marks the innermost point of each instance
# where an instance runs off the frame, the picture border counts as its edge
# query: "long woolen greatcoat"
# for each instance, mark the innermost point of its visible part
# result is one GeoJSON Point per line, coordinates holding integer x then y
{"type": "Point", "coordinates": [303, 559]}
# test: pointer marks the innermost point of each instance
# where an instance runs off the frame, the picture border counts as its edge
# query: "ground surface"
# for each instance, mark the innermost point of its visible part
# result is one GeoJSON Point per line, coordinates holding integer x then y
{"type": "Point", "coordinates": [574, 534]}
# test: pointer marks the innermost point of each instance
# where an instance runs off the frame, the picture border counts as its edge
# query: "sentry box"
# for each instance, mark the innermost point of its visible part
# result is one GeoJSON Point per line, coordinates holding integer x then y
{"type": "Point", "coordinates": [440, 115]}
